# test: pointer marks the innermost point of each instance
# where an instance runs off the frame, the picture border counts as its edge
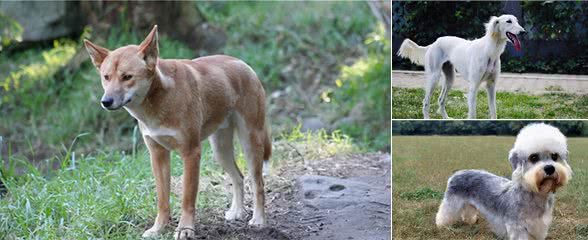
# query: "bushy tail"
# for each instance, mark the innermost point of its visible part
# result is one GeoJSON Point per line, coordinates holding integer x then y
{"type": "Point", "coordinates": [267, 151]}
{"type": "Point", "coordinates": [413, 51]}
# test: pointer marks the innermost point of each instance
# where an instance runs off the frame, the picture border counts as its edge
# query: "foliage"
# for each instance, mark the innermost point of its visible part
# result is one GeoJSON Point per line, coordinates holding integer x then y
{"type": "Point", "coordinates": [271, 37]}
{"type": "Point", "coordinates": [10, 31]}
{"type": "Point", "coordinates": [422, 19]}
{"type": "Point", "coordinates": [407, 104]}
{"type": "Point", "coordinates": [23, 80]}
{"type": "Point", "coordinates": [568, 128]}
{"type": "Point", "coordinates": [556, 20]}
{"type": "Point", "coordinates": [366, 85]}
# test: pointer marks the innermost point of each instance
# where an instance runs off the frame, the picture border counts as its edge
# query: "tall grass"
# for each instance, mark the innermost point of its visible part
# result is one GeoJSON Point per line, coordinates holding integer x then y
{"type": "Point", "coordinates": [110, 195]}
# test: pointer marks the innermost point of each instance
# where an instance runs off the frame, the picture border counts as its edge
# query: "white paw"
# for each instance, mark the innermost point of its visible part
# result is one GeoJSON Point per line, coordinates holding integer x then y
{"type": "Point", "coordinates": [152, 232]}
{"type": "Point", "coordinates": [184, 233]}
{"type": "Point", "coordinates": [235, 213]}
{"type": "Point", "coordinates": [257, 221]}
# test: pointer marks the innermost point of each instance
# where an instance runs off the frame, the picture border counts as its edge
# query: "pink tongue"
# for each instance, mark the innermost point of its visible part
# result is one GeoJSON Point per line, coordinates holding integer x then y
{"type": "Point", "coordinates": [516, 43]}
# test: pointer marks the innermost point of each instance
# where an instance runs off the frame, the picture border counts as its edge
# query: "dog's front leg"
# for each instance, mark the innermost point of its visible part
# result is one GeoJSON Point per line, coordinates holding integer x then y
{"type": "Point", "coordinates": [472, 100]}
{"type": "Point", "coordinates": [517, 232]}
{"type": "Point", "coordinates": [491, 90]}
{"type": "Point", "coordinates": [191, 157]}
{"type": "Point", "coordinates": [474, 81]}
{"type": "Point", "coordinates": [160, 165]}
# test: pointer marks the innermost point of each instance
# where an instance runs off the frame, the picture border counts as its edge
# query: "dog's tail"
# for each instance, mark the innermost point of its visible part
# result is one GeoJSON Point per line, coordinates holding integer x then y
{"type": "Point", "coordinates": [267, 151]}
{"type": "Point", "coordinates": [413, 51]}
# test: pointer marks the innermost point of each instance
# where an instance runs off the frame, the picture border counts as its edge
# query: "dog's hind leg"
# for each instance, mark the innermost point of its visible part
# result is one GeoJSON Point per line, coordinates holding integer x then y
{"type": "Point", "coordinates": [449, 76]}
{"type": "Point", "coordinates": [222, 147]}
{"type": "Point", "coordinates": [449, 211]}
{"type": "Point", "coordinates": [432, 77]}
{"type": "Point", "coordinates": [491, 90]}
{"type": "Point", "coordinates": [252, 136]}
{"type": "Point", "coordinates": [469, 214]}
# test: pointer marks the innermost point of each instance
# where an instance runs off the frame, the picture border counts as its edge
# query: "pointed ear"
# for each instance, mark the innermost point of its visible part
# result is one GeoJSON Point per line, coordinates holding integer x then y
{"type": "Point", "coordinates": [97, 53]}
{"type": "Point", "coordinates": [149, 49]}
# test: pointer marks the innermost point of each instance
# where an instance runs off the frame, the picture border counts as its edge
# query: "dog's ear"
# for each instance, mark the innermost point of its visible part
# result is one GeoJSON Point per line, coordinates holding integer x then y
{"type": "Point", "coordinates": [149, 49]}
{"type": "Point", "coordinates": [97, 53]}
{"type": "Point", "coordinates": [515, 159]}
{"type": "Point", "coordinates": [492, 24]}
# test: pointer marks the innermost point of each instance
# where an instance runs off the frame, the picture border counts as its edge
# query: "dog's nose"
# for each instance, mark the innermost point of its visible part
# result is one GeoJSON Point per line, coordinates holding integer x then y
{"type": "Point", "coordinates": [107, 101]}
{"type": "Point", "coordinates": [549, 169]}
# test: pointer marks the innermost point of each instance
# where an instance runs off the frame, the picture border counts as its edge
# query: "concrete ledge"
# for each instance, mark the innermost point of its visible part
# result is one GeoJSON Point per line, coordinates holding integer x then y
{"type": "Point", "coordinates": [531, 83]}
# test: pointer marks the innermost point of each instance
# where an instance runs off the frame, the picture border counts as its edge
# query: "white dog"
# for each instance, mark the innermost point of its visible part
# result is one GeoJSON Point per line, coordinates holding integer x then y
{"type": "Point", "coordinates": [477, 61]}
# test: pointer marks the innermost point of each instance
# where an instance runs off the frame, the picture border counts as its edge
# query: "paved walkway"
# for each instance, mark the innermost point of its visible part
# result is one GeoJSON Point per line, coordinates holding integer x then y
{"type": "Point", "coordinates": [531, 83]}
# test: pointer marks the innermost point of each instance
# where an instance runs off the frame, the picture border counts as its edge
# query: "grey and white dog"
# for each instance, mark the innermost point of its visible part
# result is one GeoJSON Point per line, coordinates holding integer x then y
{"type": "Point", "coordinates": [520, 208]}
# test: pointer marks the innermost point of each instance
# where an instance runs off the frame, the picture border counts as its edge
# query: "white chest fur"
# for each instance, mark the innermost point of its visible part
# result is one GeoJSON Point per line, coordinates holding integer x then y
{"type": "Point", "coordinates": [165, 136]}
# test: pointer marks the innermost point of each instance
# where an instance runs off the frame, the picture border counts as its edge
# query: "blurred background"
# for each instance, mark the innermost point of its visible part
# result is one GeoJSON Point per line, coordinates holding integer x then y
{"type": "Point", "coordinates": [71, 170]}
{"type": "Point", "coordinates": [556, 40]}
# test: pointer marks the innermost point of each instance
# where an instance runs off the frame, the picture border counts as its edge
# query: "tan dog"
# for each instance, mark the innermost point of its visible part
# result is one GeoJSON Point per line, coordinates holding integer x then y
{"type": "Point", "coordinates": [179, 103]}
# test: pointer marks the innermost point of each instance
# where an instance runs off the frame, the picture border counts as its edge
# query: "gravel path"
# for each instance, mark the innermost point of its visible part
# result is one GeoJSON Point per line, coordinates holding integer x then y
{"type": "Point", "coordinates": [530, 83]}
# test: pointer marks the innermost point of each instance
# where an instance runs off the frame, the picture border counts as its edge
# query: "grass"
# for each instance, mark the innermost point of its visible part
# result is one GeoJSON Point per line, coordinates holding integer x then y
{"type": "Point", "coordinates": [407, 104]}
{"type": "Point", "coordinates": [420, 173]}
{"type": "Point", "coordinates": [111, 195]}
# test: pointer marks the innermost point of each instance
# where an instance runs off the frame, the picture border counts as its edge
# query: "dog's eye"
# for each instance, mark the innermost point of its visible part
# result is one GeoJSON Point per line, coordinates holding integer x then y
{"type": "Point", "coordinates": [127, 77]}
{"type": "Point", "coordinates": [509, 21]}
{"type": "Point", "coordinates": [554, 156]}
{"type": "Point", "coordinates": [534, 157]}
{"type": "Point", "coordinates": [106, 77]}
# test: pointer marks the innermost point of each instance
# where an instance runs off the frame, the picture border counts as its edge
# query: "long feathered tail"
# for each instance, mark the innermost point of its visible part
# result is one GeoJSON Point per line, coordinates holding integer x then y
{"type": "Point", "coordinates": [413, 51]}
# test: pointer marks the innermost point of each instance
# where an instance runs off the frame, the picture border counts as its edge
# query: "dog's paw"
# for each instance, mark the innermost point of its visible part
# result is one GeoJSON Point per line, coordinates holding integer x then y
{"type": "Point", "coordinates": [234, 214]}
{"type": "Point", "coordinates": [185, 233]}
{"type": "Point", "coordinates": [257, 221]}
{"type": "Point", "coordinates": [152, 232]}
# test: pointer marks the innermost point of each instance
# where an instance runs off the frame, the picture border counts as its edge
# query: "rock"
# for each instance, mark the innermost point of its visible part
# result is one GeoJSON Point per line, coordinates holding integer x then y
{"type": "Point", "coordinates": [352, 208]}
{"type": "Point", "coordinates": [44, 20]}
{"type": "Point", "coordinates": [312, 124]}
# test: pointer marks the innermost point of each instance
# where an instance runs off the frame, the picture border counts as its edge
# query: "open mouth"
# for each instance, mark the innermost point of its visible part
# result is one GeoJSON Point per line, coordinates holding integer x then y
{"type": "Point", "coordinates": [514, 40]}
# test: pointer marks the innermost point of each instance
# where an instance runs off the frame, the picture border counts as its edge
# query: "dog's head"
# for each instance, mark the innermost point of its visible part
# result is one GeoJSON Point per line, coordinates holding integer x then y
{"type": "Point", "coordinates": [539, 158]}
{"type": "Point", "coordinates": [126, 72]}
{"type": "Point", "coordinates": [505, 27]}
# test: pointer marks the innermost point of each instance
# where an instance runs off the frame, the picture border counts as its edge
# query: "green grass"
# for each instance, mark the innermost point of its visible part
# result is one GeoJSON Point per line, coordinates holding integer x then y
{"type": "Point", "coordinates": [407, 104]}
{"type": "Point", "coordinates": [422, 165]}
{"type": "Point", "coordinates": [111, 195]}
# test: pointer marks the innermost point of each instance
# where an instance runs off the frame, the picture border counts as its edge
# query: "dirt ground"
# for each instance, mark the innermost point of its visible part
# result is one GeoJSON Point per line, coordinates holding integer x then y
{"type": "Point", "coordinates": [343, 197]}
